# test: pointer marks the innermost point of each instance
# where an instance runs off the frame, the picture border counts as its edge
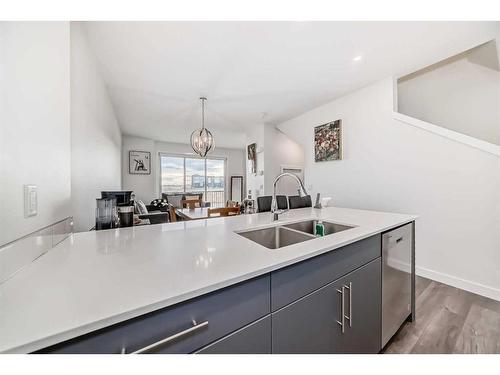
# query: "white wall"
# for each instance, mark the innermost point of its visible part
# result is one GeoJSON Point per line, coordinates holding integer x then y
{"type": "Point", "coordinates": [459, 95]}
{"type": "Point", "coordinates": [34, 124]}
{"type": "Point", "coordinates": [274, 149]}
{"type": "Point", "coordinates": [255, 181]}
{"type": "Point", "coordinates": [391, 166]}
{"type": "Point", "coordinates": [147, 187]}
{"type": "Point", "coordinates": [280, 150]}
{"type": "Point", "coordinates": [95, 134]}
{"type": "Point", "coordinates": [143, 185]}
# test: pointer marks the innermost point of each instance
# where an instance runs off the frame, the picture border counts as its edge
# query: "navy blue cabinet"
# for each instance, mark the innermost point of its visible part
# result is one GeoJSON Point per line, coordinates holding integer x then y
{"type": "Point", "coordinates": [183, 328]}
{"type": "Point", "coordinates": [343, 316]}
{"type": "Point", "coordinates": [252, 339]}
{"type": "Point", "coordinates": [293, 282]}
{"type": "Point", "coordinates": [330, 303]}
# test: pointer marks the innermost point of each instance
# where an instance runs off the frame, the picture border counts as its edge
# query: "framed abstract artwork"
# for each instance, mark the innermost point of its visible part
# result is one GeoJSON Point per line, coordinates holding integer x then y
{"type": "Point", "coordinates": [328, 141]}
{"type": "Point", "coordinates": [139, 162]}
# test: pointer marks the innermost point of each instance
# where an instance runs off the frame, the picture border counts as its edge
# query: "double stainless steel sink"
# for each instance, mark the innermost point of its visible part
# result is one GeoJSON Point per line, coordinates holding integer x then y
{"type": "Point", "coordinates": [289, 234]}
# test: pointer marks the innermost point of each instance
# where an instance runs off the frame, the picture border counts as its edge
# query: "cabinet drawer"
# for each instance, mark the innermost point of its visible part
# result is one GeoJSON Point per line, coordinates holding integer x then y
{"type": "Point", "coordinates": [216, 314]}
{"type": "Point", "coordinates": [252, 339]}
{"type": "Point", "coordinates": [296, 281]}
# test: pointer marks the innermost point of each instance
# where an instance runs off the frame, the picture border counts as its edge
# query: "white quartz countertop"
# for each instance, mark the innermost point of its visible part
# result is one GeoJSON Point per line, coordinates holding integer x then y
{"type": "Point", "coordinates": [95, 279]}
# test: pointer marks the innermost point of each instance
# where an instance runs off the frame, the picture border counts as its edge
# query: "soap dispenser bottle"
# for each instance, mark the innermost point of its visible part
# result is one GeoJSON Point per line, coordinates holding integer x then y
{"type": "Point", "coordinates": [320, 229]}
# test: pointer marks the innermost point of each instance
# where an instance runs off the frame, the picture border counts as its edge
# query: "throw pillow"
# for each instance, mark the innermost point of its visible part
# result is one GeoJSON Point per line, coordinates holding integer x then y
{"type": "Point", "coordinates": [141, 207]}
{"type": "Point", "coordinates": [159, 203]}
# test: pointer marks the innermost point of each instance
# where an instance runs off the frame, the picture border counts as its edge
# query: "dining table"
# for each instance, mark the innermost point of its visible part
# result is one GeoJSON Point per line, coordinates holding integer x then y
{"type": "Point", "coordinates": [196, 213]}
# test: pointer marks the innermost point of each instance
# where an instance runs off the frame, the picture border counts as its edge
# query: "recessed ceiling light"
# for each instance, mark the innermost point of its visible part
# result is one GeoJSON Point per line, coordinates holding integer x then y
{"type": "Point", "coordinates": [357, 58]}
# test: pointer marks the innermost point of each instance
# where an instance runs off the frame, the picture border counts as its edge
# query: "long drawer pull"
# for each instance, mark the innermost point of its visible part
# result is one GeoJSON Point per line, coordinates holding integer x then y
{"type": "Point", "coordinates": [350, 303]}
{"type": "Point", "coordinates": [194, 328]}
{"type": "Point", "coordinates": [342, 322]}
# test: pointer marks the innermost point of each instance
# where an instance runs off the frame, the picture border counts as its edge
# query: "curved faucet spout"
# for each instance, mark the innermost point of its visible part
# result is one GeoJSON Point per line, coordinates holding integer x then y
{"type": "Point", "coordinates": [274, 204]}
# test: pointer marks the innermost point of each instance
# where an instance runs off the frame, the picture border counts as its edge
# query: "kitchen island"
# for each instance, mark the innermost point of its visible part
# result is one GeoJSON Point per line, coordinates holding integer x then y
{"type": "Point", "coordinates": [200, 286]}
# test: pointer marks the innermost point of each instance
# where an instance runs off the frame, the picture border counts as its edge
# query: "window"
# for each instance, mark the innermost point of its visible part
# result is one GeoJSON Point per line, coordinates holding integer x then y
{"type": "Point", "coordinates": [183, 174]}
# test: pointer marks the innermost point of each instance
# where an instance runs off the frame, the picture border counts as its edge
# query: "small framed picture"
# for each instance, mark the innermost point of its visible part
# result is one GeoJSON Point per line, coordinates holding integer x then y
{"type": "Point", "coordinates": [252, 156]}
{"type": "Point", "coordinates": [328, 141]}
{"type": "Point", "coordinates": [139, 162]}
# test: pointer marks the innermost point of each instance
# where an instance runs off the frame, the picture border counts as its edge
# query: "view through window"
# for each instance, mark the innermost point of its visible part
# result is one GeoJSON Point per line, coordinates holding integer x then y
{"type": "Point", "coordinates": [182, 174]}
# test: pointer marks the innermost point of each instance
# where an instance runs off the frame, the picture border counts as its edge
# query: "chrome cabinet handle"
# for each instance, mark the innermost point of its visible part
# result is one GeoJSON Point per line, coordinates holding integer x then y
{"type": "Point", "coordinates": [342, 322]}
{"type": "Point", "coordinates": [350, 303]}
{"type": "Point", "coordinates": [194, 328]}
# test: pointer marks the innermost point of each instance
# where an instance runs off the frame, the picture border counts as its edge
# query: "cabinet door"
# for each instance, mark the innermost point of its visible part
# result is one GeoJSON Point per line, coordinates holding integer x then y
{"type": "Point", "coordinates": [363, 311]}
{"type": "Point", "coordinates": [252, 339]}
{"type": "Point", "coordinates": [311, 324]}
{"type": "Point", "coordinates": [307, 325]}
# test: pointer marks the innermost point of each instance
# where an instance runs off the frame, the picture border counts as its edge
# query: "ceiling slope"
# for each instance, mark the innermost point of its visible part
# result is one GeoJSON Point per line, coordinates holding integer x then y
{"type": "Point", "coordinates": [256, 71]}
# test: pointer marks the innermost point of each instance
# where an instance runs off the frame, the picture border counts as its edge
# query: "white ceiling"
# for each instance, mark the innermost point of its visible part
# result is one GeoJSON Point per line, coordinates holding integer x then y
{"type": "Point", "coordinates": [254, 72]}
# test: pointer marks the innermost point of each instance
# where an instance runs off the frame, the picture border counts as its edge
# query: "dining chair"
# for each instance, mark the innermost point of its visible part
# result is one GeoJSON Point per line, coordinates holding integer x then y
{"type": "Point", "coordinates": [191, 203]}
{"type": "Point", "coordinates": [264, 203]}
{"type": "Point", "coordinates": [282, 202]}
{"type": "Point", "coordinates": [225, 211]}
{"type": "Point", "coordinates": [296, 201]}
{"type": "Point", "coordinates": [174, 199]}
{"type": "Point", "coordinates": [193, 195]}
{"type": "Point", "coordinates": [307, 201]}
{"type": "Point", "coordinates": [172, 213]}
{"type": "Point", "coordinates": [232, 204]}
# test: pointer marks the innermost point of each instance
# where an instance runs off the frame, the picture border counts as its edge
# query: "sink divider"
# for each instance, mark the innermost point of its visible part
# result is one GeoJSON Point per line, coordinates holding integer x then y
{"type": "Point", "coordinates": [297, 231]}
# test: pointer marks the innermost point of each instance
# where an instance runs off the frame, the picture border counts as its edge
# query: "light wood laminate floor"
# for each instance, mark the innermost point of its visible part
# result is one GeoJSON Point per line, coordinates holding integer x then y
{"type": "Point", "coordinates": [449, 320]}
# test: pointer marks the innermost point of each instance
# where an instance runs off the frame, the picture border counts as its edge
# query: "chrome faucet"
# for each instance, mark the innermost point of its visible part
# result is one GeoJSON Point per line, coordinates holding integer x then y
{"type": "Point", "coordinates": [274, 205]}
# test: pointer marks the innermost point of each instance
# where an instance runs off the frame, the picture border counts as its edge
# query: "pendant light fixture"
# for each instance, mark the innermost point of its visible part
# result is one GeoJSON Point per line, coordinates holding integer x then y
{"type": "Point", "coordinates": [202, 140]}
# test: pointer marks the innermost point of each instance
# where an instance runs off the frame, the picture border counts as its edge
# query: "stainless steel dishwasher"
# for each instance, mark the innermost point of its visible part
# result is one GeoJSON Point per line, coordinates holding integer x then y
{"type": "Point", "coordinates": [397, 279]}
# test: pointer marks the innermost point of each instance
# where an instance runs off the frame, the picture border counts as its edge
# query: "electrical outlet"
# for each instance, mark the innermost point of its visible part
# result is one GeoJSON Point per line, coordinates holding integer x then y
{"type": "Point", "coordinates": [30, 200]}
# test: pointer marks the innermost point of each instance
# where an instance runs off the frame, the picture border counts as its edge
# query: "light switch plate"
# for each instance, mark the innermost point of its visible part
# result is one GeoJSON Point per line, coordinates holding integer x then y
{"type": "Point", "coordinates": [30, 200]}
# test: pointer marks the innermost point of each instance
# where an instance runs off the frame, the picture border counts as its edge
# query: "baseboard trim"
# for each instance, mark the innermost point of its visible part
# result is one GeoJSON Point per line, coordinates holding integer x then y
{"type": "Point", "coordinates": [470, 286]}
